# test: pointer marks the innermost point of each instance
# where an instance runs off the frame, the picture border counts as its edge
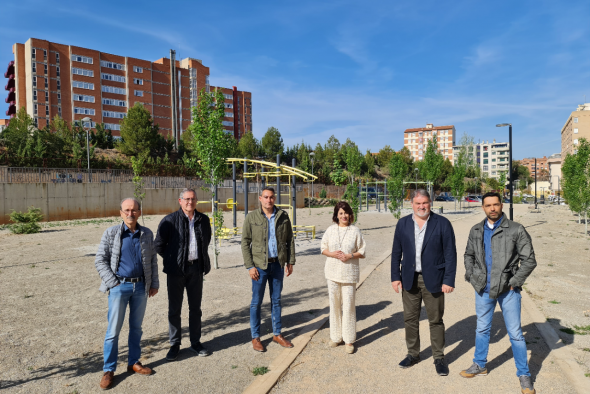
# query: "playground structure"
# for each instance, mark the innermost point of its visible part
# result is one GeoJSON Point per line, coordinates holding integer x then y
{"type": "Point", "coordinates": [270, 175]}
{"type": "Point", "coordinates": [379, 195]}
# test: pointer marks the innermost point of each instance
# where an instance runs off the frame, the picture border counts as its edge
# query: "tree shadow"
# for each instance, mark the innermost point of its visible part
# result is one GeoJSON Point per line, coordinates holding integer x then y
{"type": "Point", "coordinates": [92, 362]}
{"type": "Point", "coordinates": [310, 252]}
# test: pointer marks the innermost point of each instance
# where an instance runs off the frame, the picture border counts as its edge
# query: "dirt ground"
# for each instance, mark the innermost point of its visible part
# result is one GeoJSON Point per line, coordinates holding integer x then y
{"type": "Point", "coordinates": [54, 318]}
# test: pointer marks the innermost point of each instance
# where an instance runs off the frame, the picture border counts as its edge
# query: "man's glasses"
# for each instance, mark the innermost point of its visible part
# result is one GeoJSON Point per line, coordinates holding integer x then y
{"type": "Point", "coordinates": [190, 199]}
{"type": "Point", "coordinates": [128, 211]}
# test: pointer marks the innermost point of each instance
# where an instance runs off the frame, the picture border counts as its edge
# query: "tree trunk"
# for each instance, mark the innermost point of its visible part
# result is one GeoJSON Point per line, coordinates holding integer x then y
{"type": "Point", "coordinates": [586, 221]}
{"type": "Point", "coordinates": [215, 264]}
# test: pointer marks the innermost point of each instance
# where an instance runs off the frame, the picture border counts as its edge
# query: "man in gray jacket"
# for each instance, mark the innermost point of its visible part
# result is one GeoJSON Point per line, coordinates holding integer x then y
{"type": "Point", "coordinates": [128, 267]}
{"type": "Point", "coordinates": [498, 259]}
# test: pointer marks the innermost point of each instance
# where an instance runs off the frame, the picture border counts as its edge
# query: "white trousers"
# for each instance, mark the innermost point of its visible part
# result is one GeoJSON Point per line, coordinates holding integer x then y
{"type": "Point", "coordinates": [342, 311]}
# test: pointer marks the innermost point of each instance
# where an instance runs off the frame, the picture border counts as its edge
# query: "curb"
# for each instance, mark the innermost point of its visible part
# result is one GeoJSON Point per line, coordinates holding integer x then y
{"type": "Point", "coordinates": [558, 349]}
{"type": "Point", "coordinates": [280, 365]}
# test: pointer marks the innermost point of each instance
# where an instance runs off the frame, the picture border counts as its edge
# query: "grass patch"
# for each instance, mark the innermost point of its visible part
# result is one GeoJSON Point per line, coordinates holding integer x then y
{"type": "Point", "coordinates": [587, 375]}
{"type": "Point", "coordinates": [586, 349]}
{"type": "Point", "coordinates": [550, 265]}
{"type": "Point", "coordinates": [576, 330]}
{"type": "Point", "coordinates": [259, 371]}
{"type": "Point", "coordinates": [79, 222]}
{"type": "Point", "coordinates": [234, 366]}
{"type": "Point", "coordinates": [28, 295]}
{"type": "Point", "coordinates": [554, 302]}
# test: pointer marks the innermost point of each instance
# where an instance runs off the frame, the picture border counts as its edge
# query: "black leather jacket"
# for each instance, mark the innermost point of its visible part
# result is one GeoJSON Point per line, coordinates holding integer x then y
{"type": "Point", "coordinates": [172, 242]}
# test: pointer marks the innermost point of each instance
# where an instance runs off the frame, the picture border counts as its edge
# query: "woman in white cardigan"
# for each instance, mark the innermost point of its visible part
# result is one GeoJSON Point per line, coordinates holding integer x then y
{"type": "Point", "coordinates": [344, 245]}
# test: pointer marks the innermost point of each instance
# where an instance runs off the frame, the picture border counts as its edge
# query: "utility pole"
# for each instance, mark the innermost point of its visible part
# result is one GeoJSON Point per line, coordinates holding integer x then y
{"type": "Point", "coordinates": [535, 183]}
{"type": "Point", "coordinates": [173, 93]}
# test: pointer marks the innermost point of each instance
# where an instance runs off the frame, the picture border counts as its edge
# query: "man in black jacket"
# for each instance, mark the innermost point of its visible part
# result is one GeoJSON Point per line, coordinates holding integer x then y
{"type": "Point", "coordinates": [183, 241]}
{"type": "Point", "coordinates": [427, 243]}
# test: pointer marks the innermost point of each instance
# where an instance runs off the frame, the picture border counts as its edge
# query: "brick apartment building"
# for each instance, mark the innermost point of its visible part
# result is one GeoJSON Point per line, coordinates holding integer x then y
{"type": "Point", "coordinates": [542, 167]}
{"type": "Point", "coordinates": [416, 140]}
{"type": "Point", "coordinates": [576, 127]}
{"type": "Point", "coordinates": [50, 79]}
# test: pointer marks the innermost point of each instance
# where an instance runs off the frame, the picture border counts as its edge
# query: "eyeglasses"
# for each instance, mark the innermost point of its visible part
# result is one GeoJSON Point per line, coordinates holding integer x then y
{"type": "Point", "coordinates": [128, 211]}
{"type": "Point", "coordinates": [190, 199]}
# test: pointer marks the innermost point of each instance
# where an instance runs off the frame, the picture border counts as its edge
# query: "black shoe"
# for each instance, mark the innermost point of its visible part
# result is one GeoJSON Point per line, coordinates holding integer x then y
{"type": "Point", "coordinates": [441, 367]}
{"type": "Point", "coordinates": [409, 361]}
{"type": "Point", "coordinates": [200, 350]}
{"type": "Point", "coordinates": [173, 352]}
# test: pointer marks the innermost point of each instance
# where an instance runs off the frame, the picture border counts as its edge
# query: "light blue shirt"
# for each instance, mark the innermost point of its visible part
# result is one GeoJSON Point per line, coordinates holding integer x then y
{"type": "Point", "coordinates": [272, 236]}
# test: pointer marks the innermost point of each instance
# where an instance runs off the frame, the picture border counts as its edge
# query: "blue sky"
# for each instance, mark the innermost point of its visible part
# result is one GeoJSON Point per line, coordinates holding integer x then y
{"type": "Point", "coordinates": [364, 70]}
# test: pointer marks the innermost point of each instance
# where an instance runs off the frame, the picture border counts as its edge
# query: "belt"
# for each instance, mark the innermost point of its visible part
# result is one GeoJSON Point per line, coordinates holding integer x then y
{"type": "Point", "coordinates": [130, 280]}
{"type": "Point", "coordinates": [273, 259]}
{"type": "Point", "coordinates": [191, 262]}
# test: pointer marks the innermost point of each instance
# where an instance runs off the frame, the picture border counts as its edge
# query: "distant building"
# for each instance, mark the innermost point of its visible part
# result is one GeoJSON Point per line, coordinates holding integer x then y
{"type": "Point", "coordinates": [554, 163]}
{"type": "Point", "coordinates": [238, 111]}
{"type": "Point", "coordinates": [50, 79]}
{"type": "Point", "coordinates": [576, 127]}
{"type": "Point", "coordinates": [4, 124]}
{"type": "Point", "coordinates": [492, 158]}
{"type": "Point", "coordinates": [542, 167]}
{"type": "Point", "coordinates": [416, 140]}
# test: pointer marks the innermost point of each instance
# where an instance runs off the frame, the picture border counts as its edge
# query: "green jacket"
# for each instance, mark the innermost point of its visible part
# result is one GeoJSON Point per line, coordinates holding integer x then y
{"type": "Point", "coordinates": [255, 242]}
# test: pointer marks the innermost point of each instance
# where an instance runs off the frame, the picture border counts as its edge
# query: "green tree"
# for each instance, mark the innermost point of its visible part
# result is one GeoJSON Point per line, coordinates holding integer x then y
{"type": "Point", "coordinates": [398, 170]}
{"type": "Point", "coordinates": [369, 163]}
{"type": "Point", "coordinates": [139, 134]}
{"type": "Point", "coordinates": [433, 162]}
{"type": "Point", "coordinates": [576, 180]}
{"type": "Point", "coordinates": [457, 178]}
{"type": "Point", "coordinates": [338, 176]}
{"type": "Point", "coordinates": [272, 143]}
{"type": "Point", "coordinates": [385, 154]}
{"type": "Point", "coordinates": [103, 138]}
{"type": "Point", "coordinates": [248, 146]}
{"type": "Point", "coordinates": [212, 145]}
{"type": "Point", "coordinates": [354, 161]}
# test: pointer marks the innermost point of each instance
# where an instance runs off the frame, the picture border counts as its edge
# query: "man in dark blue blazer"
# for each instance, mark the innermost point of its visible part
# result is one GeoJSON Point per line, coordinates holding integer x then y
{"type": "Point", "coordinates": [423, 264]}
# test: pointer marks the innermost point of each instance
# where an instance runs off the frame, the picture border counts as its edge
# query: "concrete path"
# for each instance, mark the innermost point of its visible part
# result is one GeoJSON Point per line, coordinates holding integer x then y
{"type": "Point", "coordinates": [381, 346]}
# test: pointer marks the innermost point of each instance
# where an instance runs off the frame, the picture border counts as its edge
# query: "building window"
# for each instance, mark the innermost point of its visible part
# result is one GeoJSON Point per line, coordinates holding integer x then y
{"type": "Point", "coordinates": [46, 83]}
{"type": "Point", "coordinates": [111, 89]}
{"type": "Point", "coordinates": [83, 85]}
{"type": "Point", "coordinates": [228, 105]}
{"type": "Point", "coordinates": [34, 53]}
{"type": "Point", "coordinates": [82, 59]}
{"type": "Point", "coordinates": [229, 97]}
{"type": "Point", "coordinates": [226, 123]}
{"type": "Point", "coordinates": [35, 109]}
{"type": "Point", "coordinates": [576, 141]}
{"type": "Point", "coordinates": [83, 111]}
{"type": "Point", "coordinates": [34, 67]}
{"type": "Point", "coordinates": [58, 85]}
{"type": "Point", "coordinates": [81, 97]}
{"type": "Point", "coordinates": [138, 69]}
{"type": "Point", "coordinates": [485, 154]}
{"type": "Point", "coordinates": [112, 77]}
{"type": "Point", "coordinates": [57, 71]}
{"type": "Point", "coordinates": [34, 82]}
{"type": "Point", "coordinates": [493, 160]}
{"type": "Point", "coordinates": [493, 166]}
{"type": "Point", "coordinates": [138, 81]}
{"type": "Point", "coordinates": [576, 130]}
{"type": "Point", "coordinates": [485, 161]}
{"type": "Point", "coordinates": [57, 58]}
{"type": "Point", "coordinates": [45, 54]}
{"type": "Point", "coordinates": [118, 103]}
{"type": "Point", "coordinates": [229, 114]}
{"type": "Point", "coordinates": [35, 95]}
{"type": "Point", "coordinates": [138, 93]}
{"type": "Point", "coordinates": [46, 96]}
{"type": "Point", "coordinates": [47, 110]}
{"type": "Point", "coordinates": [84, 72]}
{"type": "Point", "coordinates": [45, 69]}
{"type": "Point", "coordinates": [575, 119]}
{"type": "Point", "coordinates": [59, 110]}
{"type": "Point", "coordinates": [112, 114]}
{"type": "Point", "coordinates": [112, 65]}
{"type": "Point", "coordinates": [59, 98]}
{"type": "Point", "coordinates": [485, 168]}
{"type": "Point", "coordinates": [112, 126]}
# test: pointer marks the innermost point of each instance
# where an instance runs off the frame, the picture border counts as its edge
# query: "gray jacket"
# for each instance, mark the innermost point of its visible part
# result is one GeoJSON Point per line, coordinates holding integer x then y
{"type": "Point", "coordinates": [109, 253]}
{"type": "Point", "coordinates": [513, 257]}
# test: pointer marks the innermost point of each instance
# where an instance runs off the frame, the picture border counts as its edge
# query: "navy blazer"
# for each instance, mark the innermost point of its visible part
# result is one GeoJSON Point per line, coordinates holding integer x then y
{"type": "Point", "coordinates": [439, 253]}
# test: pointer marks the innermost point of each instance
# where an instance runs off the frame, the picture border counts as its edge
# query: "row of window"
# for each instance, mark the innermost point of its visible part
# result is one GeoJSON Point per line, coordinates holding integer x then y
{"type": "Point", "coordinates": [112, 89]}
{"type": "Point", "coordinates": [82, 71]}
{"type": "Point", "coordinates": [82, 59]}
{"type": "Point", "coordinates": [112, 126]}
{"type": "Point", "coordinates": [84, 111]}
{"type": "Point", "coordinates": [81, 97]}
{"type": "Point", "coordinates": [113, 114]}
{"type": "Point", "coordinates": [118, 103]}
{"type": "Point", "coordinates": [46, 82]}
{"type": "Point", "coordinates": [229, 114]}
{"type": "Point", "coordinates": [81, 85]}
{"type": "Point", "coordinates": [116, 66]}
{"type": "Point", "coordinates": [138, 69]}
{"type": "Point", "coordinates": [112, 77]}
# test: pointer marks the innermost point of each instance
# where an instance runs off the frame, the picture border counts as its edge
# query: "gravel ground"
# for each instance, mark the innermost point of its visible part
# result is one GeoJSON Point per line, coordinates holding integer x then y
{"type": "Point", "coordinates": [381, 341]}
{"type": "Point", "coordinates": [54, 317]}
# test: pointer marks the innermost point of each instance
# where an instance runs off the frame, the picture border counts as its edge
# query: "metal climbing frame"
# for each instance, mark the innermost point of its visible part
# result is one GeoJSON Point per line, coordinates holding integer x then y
{"type": "Point", "coordinates": [429, 188]}
{"type": "Point", "coordinates": [378, 196]}
{"type": "Point", "coordinates": [273, 172]}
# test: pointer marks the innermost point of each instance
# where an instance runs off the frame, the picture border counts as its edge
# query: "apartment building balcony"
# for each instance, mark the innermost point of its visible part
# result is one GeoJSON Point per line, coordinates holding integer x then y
{"type": "Point", "coordinates": [9, 69]}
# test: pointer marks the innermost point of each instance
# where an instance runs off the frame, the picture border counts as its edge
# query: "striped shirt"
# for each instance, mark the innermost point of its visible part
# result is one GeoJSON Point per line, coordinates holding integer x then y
{"type": "Point", "coordinates": [192, 246]}
{"type": "Point", "coordinates": [419, 240]}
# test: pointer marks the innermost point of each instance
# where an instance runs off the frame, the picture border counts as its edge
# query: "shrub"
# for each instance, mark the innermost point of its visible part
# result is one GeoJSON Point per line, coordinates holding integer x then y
{"type": "Point", "coordinates": [26, 222]}
{"type": "Point", "coordinates": [323, 193]}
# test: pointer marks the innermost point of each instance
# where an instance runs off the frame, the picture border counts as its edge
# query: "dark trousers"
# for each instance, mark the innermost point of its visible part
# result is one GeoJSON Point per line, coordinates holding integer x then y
{"type": "Point", "coordinates": [193, 282]}
{"type": "Point", "coordinates": [435, 308]}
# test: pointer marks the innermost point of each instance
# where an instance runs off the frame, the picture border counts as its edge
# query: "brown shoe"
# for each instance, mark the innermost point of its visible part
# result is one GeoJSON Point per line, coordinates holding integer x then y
{"type": "Point", "coordinates": [107, 380]}
{"type": "Point", "coordinates": [140, 369]}
{"type": "Point", "coordinates": [282, 341]}
{"type": "Point", "coordinates": [257, 345]}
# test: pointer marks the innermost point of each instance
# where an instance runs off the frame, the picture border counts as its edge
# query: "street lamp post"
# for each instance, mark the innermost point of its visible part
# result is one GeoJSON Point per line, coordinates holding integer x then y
{"type": "Point", "coordinates": [89, 121]}
{"type": "Point", "coordinates": [311, 155]}
{"type": "Point", "coordinates": [511, 210]}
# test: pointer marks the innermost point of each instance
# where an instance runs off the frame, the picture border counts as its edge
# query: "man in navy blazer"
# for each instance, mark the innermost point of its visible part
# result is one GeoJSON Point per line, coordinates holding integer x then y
{"type": "Point", "coordinates": [423, 264]}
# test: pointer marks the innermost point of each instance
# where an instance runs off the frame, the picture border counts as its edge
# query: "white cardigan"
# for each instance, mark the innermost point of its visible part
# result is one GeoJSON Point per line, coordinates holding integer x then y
{"type": "Point", "coordinates": [349, 240]}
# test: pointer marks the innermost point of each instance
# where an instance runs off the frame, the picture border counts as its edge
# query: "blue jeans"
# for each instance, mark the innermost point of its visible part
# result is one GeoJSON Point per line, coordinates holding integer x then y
{"type": "Point", "coordinates": [134, 295]}
{"type": "Point", "coordinates": [274, 276]}
{"type": "Point", "coordinates": [510, 305]}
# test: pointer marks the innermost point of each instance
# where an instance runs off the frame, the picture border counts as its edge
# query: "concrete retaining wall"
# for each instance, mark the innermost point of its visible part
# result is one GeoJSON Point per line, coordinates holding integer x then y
{"type": "Point", "coordinates": [67, 201]}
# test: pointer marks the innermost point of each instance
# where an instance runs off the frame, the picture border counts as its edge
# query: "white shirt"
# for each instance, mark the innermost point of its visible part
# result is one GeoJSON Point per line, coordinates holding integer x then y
{"type": "Point", "coordinates": [192, 246]}
{"type": "Point", "coordinates": [419, 240]}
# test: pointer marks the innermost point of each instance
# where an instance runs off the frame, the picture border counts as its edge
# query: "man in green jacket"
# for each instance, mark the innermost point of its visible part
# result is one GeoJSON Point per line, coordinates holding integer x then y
{"type": "Point", "coordinates": [268, 247]}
